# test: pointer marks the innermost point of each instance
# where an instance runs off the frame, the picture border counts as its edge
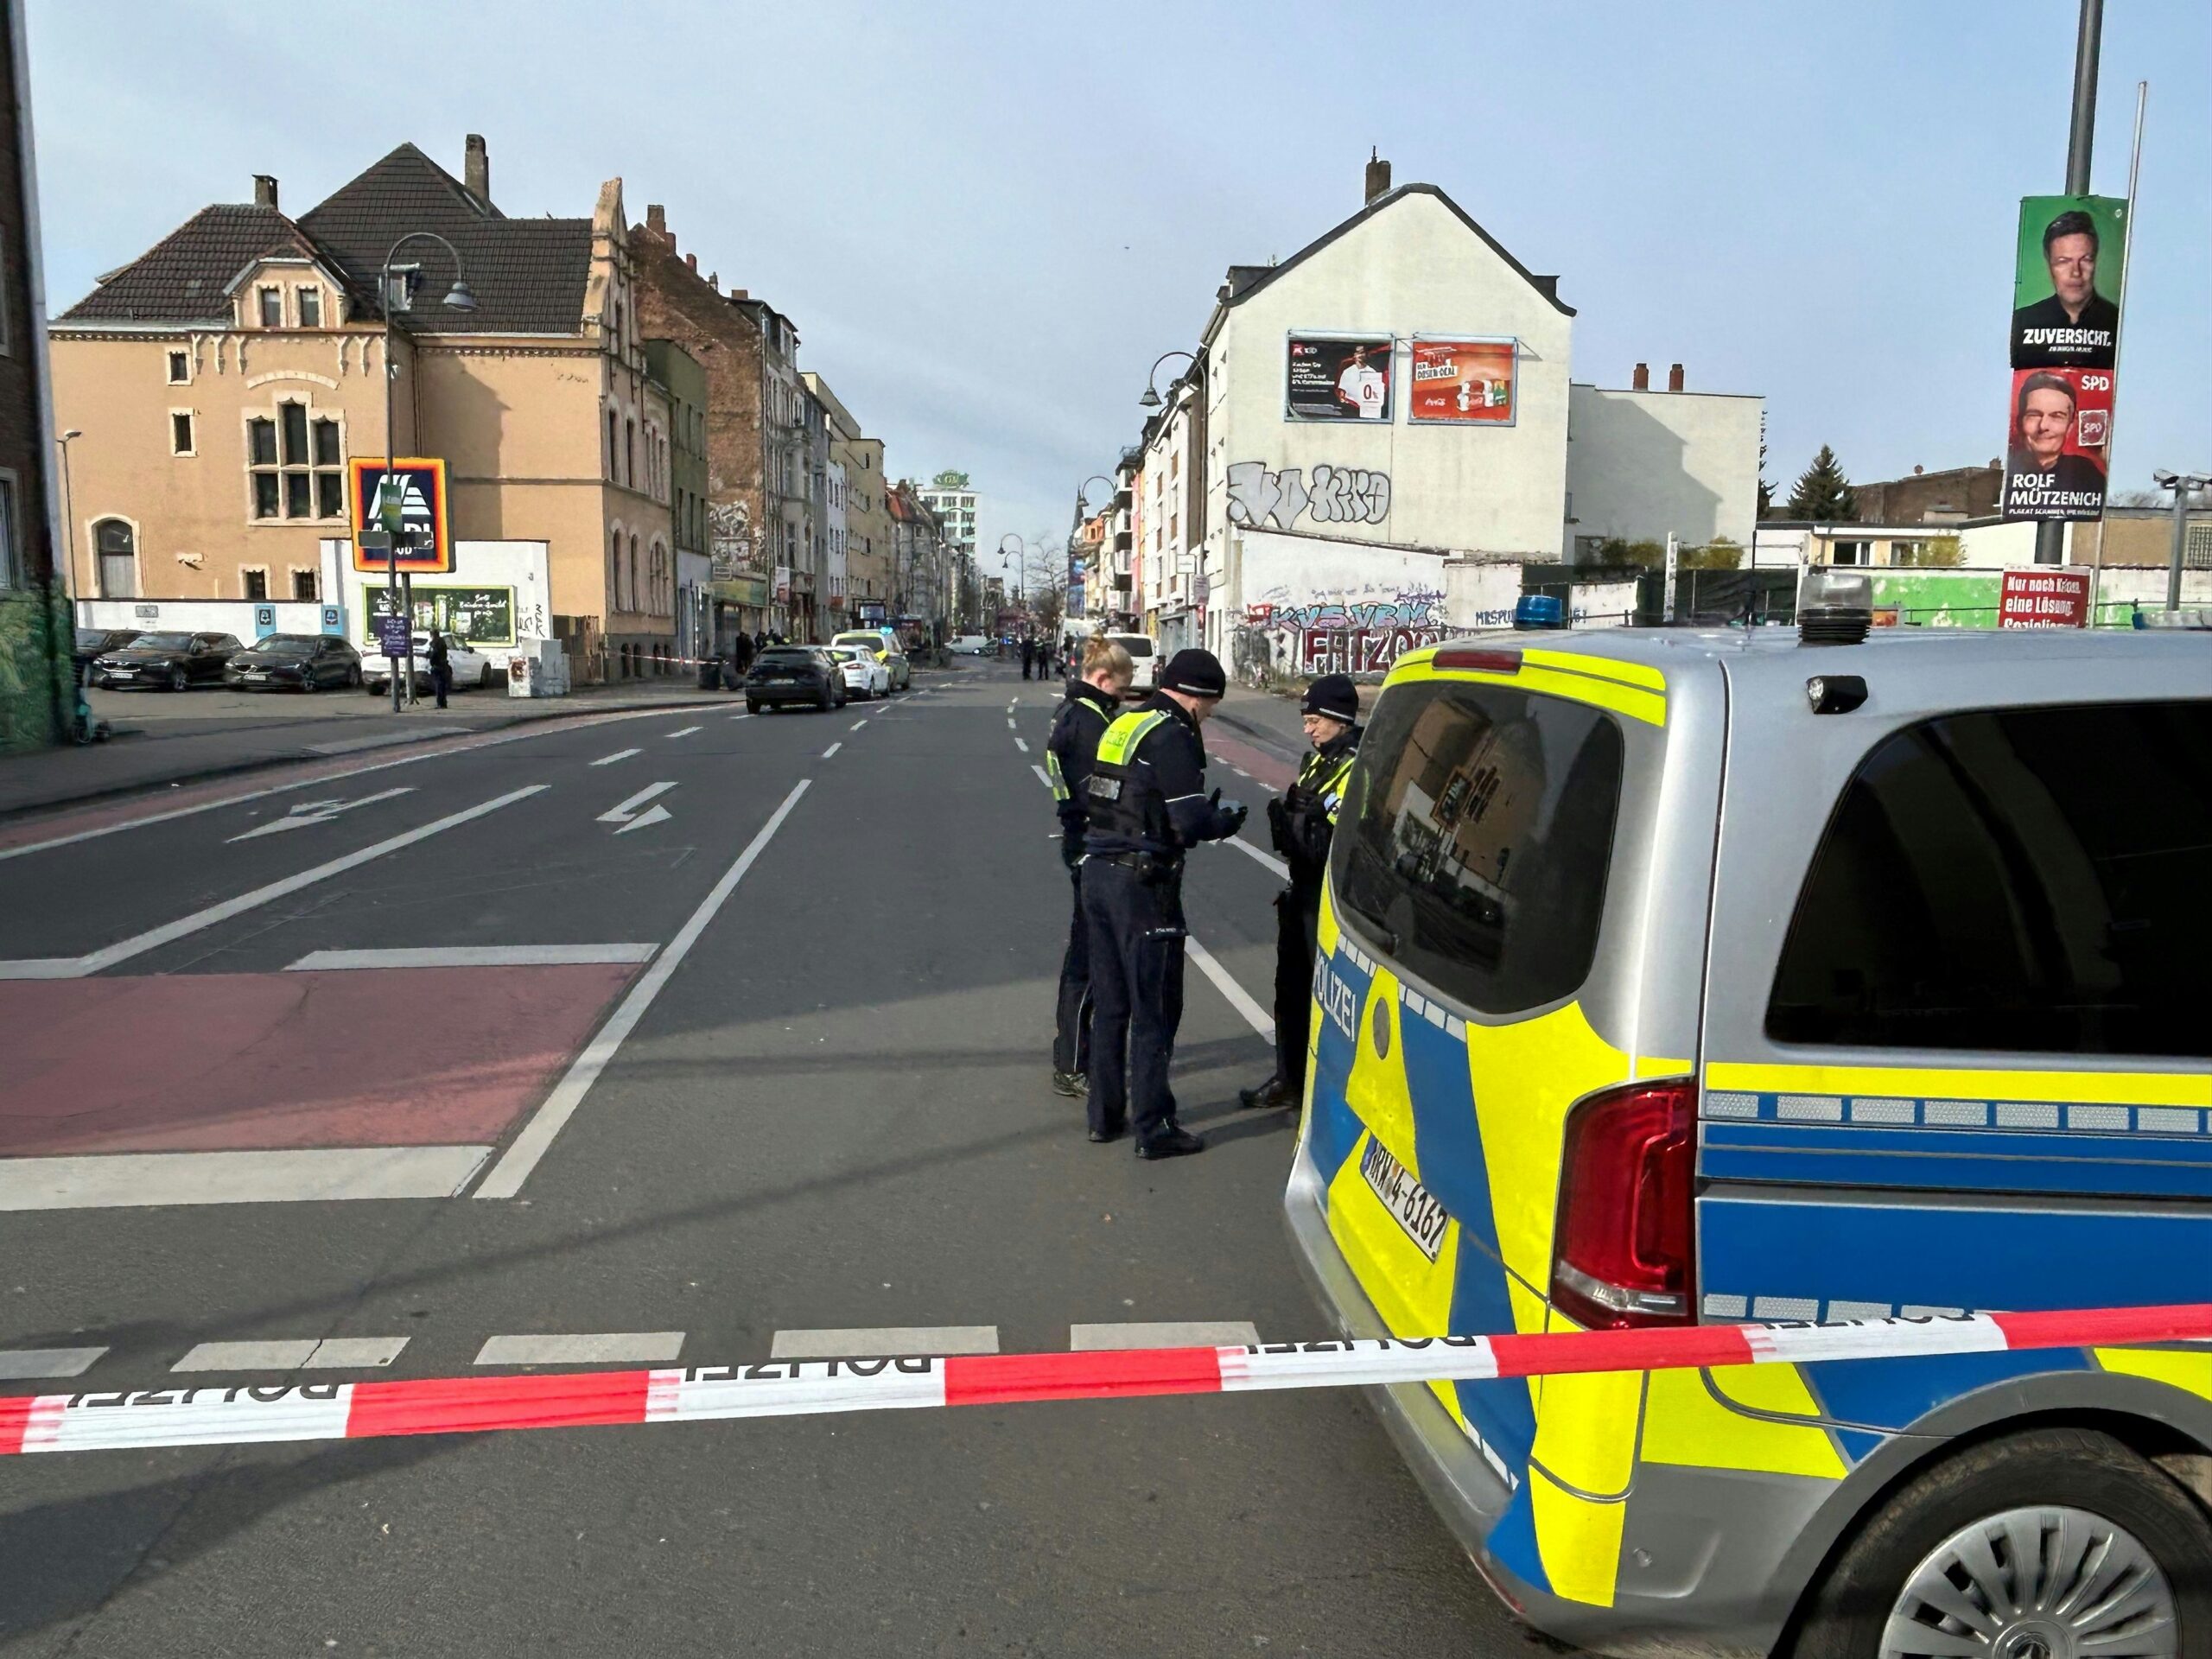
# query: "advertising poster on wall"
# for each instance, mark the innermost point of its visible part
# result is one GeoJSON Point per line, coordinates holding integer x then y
{"type": "Point", "coordinates": [2055, 450]}
{"type": "Point", "coordinates": [475, 616]}
{"type": "Point", "coordinates": [2044, 599]}
{"type": "Point", "coordinates": [1462, 382]}
{"type": "Point", "coordinates": [2066, 282]}
{"type": "Point", "coordinates": [1338, 378]}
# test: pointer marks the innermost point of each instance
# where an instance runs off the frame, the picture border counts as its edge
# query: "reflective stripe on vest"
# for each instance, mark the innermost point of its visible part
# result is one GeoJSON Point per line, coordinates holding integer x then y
{"type": "Point", "coordinates": [1052, 772]}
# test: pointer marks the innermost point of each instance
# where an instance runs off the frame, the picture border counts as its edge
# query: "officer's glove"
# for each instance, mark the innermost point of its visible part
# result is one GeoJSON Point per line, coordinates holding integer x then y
{"type": "Point", "coordinates": [1227, 818]}
{"type": "Point", "coordinates": [1071, 849]}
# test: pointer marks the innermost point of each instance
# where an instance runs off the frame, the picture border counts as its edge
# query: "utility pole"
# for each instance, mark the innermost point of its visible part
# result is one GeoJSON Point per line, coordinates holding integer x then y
{"type": "Point", "coordinates": [2050, 534]}
{"type": "Point", "coordinates": [2184, 486]}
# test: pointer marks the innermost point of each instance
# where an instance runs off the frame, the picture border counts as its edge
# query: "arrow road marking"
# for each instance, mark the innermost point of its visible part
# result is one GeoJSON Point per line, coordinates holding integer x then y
{"type": "Point", "coordinates": [628, 814]}
{"type": "Point", "coordinates": [307, 812]}
{"type": "Point", "coordinates": [619, 754]}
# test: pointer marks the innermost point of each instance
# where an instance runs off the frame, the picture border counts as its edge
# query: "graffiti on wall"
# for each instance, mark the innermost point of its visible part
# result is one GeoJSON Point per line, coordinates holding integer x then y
{"type": "Point", "coordinates": [1344, 635]}
{"type": "Point", "coordinates": [1260, 497]}
{"type": "Point", "coordinates": [729, 539]}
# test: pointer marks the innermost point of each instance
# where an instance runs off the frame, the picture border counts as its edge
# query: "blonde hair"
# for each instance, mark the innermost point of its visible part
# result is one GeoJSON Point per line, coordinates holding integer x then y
{"type": "Point", "coordinates": [1103, 656]}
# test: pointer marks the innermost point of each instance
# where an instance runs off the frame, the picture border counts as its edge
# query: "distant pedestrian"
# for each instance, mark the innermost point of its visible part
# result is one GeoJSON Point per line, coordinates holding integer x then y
{"type": "Point", "coordinates": [1028, 655]}
{"type": "Point", "coordinates": [760, 639]}
{"type": "Point", "coordinates": [441, 667]}
{"type": "Point", "coordinates": [740, 655]}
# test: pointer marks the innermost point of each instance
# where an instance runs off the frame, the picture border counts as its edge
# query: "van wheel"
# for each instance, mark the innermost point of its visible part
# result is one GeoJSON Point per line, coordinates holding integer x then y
{"type": "Point", "coordinates": [1991, 1552]}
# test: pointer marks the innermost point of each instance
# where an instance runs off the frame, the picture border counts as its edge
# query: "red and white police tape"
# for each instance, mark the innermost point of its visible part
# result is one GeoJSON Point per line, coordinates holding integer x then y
{"type": "Point", "coordinates": [236, 1415]}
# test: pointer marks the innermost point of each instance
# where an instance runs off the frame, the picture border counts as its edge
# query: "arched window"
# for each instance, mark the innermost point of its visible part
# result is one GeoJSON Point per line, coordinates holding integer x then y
{"type": "Point", "coordinates": [613, 446]}
{"type": "Point", "coordinates": [633, 573]}
{"type": "Point", "coordinates": [117, 545]}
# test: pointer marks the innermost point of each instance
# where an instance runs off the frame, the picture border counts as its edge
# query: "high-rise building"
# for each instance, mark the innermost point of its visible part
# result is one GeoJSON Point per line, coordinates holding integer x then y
{"type": "Point", "coordinates": [953, 499]}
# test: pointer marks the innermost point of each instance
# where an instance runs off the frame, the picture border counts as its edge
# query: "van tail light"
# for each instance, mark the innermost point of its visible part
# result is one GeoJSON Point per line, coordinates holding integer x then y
{"type": "Point", "coordinates": [1623, 1250]}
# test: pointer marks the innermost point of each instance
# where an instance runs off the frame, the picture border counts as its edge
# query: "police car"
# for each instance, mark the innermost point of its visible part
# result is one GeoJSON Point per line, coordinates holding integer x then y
{"type": "Point", "coordinates": [1669, 976]}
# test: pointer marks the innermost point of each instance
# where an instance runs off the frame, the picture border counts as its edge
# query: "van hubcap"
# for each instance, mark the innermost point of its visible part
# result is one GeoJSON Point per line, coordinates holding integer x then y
{"type": "Point", "coordinates": [2040, 1583]}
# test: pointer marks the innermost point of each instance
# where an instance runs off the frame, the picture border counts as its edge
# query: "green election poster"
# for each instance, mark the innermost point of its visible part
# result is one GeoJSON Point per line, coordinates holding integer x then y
{"type": "Point", "coordinates": [2066, 282]}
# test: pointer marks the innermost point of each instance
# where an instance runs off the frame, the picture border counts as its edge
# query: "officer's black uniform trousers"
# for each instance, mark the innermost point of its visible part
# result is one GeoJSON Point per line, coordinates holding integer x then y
{"type": "Point", "coordinates": [1136, 986]}
{"type": "Point", "coordinates": [1072, 1018]}
{"type": "Point", "coordinates": [1298, 932]}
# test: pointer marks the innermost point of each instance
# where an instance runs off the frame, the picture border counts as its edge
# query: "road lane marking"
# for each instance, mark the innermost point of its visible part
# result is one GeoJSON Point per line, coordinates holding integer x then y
{"type": "Point", "coordinates": [858, 724]}
{"type": "Point", "coordinates": [523, 1156]}
{"type": "Point", "coordinates": [1168, 1333]}
{"type": "Point", "coordinates": [619, 754]}
{"type": "Point", "coordinates": [832, 749]}
{"type": "Point", "coordinates": [868, 1342]}
{"type": "Point", "coordinates": [1009, 724]}
{"type": "Point", "coordinates": [471, 956]}
{"type": "Point", "coordinates": [79, 967]}
{"type": "Point", "coordinates": [1041, 777]}
{"type": "Point", "coordinates": [16, 1364]}
{"type": "Point", "coordinates": [307, 812]}
{"type": "Point", "coordinates": [687, 731]}
{"type": "Point", "coordinates": [1240, 772]}
{"type": "Point", "coordinates": [606, 1347]}
{"type": "Point", "coordinates": [302, 1354]}
{"type": "Point", "coordinates": [1239, 998]}
{"type": "Point", "coordinates": [1023, 747]}
{"type": "Point", "coordinates": [747, 715]}
{"type": "Point", "coordinates": [130, 1179]}
{"type": "Point", "coordinates": [383, 739]}
{"type": "Point", "coordinates": [623, 811]}
{"type": "Point", "coordinates": [1267, 859]}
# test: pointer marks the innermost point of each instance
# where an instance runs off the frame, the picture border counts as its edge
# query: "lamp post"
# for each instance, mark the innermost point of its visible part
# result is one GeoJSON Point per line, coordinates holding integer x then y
{"type": "Point", "coordinates": [68, 528]}
{"type": "Point", "coordinates": [1151, 399]}
{"type": "Point", "coordinates": [1021, 563]}
{"type": "Point", "coordinates": [1076, 529]}
{"type": "Point", "coordinates": [459, 298]}
{"type": "Point", "coordinates": [2184, 486]}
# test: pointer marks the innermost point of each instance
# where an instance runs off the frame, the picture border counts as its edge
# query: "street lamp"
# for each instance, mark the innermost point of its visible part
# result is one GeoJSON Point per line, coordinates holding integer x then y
{"type": "Point", "coordinates": [1151, 399]}
{"type": "Point", "coordinates": [2184, 485]}
{"type": "Point", "coordinates": [68, 528]}
{"type": "Point", "coordinates": [458, 298]}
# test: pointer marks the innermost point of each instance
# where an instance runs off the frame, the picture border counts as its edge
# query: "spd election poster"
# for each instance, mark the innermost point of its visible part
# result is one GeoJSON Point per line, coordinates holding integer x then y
{"type": "Point", "coordinates": [1338, 378]}
{"type": "Point", "coordinates": [2066, 282]}
{"type": "Point", "coordinates": [2055, 452]}
{"type": "Point", "coordinates": [1463, 382]}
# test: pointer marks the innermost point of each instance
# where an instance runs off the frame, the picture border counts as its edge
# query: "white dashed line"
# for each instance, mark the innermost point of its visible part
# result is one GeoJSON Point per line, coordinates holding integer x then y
{"type": "Point", "coordinates": [1239, 998]}
{"type": "Point", "coordinates": [1267, 859]}
{"type": "Point", "coordinates": [17, 1364]}
{"type": "Point", "coordinates": [619, 754]}
{"type": "Point", "coordinates": [1041, 777]}
{"type": "Point", "coordinates": [303, 1354]}
{"type": "Point", "coordinates": [599, 1348]}
{"type": "Point", "coordinates": [1009, 723]}
{"type": "Point", "coordinates": [868, 1342]}
{"type": "Point", "coordinates": [858, 724]}
{"type": "Point", "coordinates": [687, 731]}
{"type": "Point", "coordinates": [472, 955]}
{"type": "Point", "coordinates": [1168, 1333]}
{"type": "Point", "coordinates": [832, 749]}
{"type": "Point", "coordinates": [744, 716]}
{"type": "Point", "coordinates": [1023, 747]}
{"type": "Point", "coordinates": [1240, 772]}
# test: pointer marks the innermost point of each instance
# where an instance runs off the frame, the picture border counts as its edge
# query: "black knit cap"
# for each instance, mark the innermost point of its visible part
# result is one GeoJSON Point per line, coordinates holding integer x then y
{"type": "Point", "coordinates": [1333, 695]}
{"type": "Point", "coordinates": [1195, 673]}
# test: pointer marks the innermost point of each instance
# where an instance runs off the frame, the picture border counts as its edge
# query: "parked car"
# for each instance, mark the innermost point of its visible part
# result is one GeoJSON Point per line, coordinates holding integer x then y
{"type": "Point", "coordinates": [95, 643]}
{"type": "Point", "coordinates": [173, 661]}
{"type": "Point", "coordinates": [295, 662]}
{"type": "Point", "coordinates": [972, 645]}
{"type": "Point", "coordinates": [1670, 978]}
{"type": "Point", "coordinates": [470, 667]}
{"type": "Point", "coordinates": [795, 674]}
{"type": "Point", "coordinates": [864, 676]}
{"type": "Point", "coordinates": [884, 643]}
{"type": "Point", "coordinates": [1144, 658]}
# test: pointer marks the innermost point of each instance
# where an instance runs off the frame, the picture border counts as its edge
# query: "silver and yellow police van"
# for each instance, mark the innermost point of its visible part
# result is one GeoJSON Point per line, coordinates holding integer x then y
{"type": "Point", "coordinates": [1682, 976]}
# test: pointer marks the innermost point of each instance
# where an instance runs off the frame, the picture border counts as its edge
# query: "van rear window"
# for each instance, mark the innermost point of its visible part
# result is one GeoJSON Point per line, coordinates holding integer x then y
{"type": "Point", "coordinates": [1475, 843]}
{"type": "Point", "coordinates": [2034, 881]}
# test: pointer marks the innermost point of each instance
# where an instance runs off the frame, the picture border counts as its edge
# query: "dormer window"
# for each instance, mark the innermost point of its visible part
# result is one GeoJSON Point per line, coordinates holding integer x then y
{"type": "Point", "coordinates": [272, 308]}
{"type": "Point", "coordinates": [310, 303]}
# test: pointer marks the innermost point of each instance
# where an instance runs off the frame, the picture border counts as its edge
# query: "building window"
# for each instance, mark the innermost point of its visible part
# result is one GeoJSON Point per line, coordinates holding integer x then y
{"type": "Point", "coordinates": [180, 432]}
{"type": "Point", "coordinates": [310, 303]}
{"type": "Point", "coordinates": [257, 583]}
{"type": "Point", "coordinates": [12, 574]}
{"type": "Point", "coordinates": [297, 465]}
{"type": "Point", "coordinates": [633, 573]}
{"type": "Point", "coordinates": [180, 368]}
{"type": "Point", "coordinates": [630, 454]}
{"type": "Point", "coordinates": [272, 308]}
{"type": "Point", "coordinates": [116, 545]}
{"type": "Point", "coordinates": [613, 448]}
{"type": "Point", "coordinates": [304, 586]}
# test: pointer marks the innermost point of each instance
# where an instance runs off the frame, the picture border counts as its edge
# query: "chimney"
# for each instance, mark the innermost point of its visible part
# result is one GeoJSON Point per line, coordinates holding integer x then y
{"type": "Point", "coordinates": [265, 190]}
{"type": "Point", "coordinates": [1378, 176]}
{"type": "Point", "coordinates": [692, 260]}
{"type": "Point", "coordinates": [714, 281]}
{"type": "Point", "coordinates": [476, 171]}
{"type": "Point", "coordinates": [656, 222]}
{"type": "Point", "coordinates": [1675, 377]}
{"type": "Point", "coordinates": [1641, 380]}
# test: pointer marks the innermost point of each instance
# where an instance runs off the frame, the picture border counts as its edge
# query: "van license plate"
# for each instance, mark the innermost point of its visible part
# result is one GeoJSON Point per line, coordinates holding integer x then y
{"type": "Point", "coordinates": [1413, 1205]}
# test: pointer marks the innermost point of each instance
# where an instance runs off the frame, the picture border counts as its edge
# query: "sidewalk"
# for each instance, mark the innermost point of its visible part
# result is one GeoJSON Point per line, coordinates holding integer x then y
{"type": "Point", "coordinates": [169, 743]}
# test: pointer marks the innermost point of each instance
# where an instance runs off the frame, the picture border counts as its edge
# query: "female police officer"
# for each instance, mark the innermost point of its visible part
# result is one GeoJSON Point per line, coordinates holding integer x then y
{"type": "Point", "coordinates": [1092, 702]}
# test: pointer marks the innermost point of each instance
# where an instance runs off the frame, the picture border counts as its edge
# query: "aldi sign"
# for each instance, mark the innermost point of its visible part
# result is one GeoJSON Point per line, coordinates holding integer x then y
{"type": "Point", "coordinates": [404, 501]}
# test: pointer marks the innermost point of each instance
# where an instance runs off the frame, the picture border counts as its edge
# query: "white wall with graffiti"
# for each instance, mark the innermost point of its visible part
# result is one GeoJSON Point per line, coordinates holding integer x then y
{"type": "Point", "coordinates": [1315, 606]}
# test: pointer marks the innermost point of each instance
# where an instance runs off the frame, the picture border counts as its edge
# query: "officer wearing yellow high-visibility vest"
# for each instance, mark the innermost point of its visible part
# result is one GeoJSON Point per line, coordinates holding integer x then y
{"type": "Point", "coordinates": [1302, 821]}
{"type": "Point", "coordinates": [1091, 704]}
{"type": "Point", "coordinates": [1147, 807]}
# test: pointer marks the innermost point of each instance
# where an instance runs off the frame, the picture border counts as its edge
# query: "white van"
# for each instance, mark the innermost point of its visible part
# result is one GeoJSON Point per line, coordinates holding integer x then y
{"type": "Point", "coordinates": [1144, 656]}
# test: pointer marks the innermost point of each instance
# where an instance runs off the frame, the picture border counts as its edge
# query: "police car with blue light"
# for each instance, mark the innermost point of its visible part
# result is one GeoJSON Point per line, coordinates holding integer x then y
{"type": "Point", "coordinates": [1738, 975]}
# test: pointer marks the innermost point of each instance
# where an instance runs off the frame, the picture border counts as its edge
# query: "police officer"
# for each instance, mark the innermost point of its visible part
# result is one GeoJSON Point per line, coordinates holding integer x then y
{"type": "Point", "coordinates": [1301, 821]}
{"type": "Point", "coordinates": [1092, 702]}
{"type": "Point", "coordinates": [1146, 806]}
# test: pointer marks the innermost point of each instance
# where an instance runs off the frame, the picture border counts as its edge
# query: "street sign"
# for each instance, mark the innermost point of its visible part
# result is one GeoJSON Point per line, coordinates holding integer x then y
{"type": "Point", "coordinates": [411, 493]}
{"type": "Point", "coordinates": [391, 634]}
{"type": "Point", "coordinates": [264, 621]}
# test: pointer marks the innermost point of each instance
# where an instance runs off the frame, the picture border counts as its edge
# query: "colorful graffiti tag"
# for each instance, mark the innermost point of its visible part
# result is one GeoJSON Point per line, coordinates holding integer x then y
{"type": "Point", "coordinates": [1337, 495]}
{"type": "Point", "coordinates": [1349, 636]}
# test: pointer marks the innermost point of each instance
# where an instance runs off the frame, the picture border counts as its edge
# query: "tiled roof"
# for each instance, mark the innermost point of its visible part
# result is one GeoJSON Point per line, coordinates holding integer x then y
{"type": "Point", "coordinates": [528, 275]}
{"type": "Point", "coordinates": [183, 277]}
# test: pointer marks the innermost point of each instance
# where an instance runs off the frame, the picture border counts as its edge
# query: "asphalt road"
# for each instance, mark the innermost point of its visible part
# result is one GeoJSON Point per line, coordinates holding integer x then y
{"type": "Point", "coordinates": [829, 1110]}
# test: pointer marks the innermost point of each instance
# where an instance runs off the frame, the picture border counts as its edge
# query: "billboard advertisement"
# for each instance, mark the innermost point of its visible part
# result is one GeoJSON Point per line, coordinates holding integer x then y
{"type": "Point", "coordinates": [1462, 382]}
{"type": "Point", "coordinates": [2066, 282]}
{"type": "Point", "coordinates": [2055, 449]}
{"type": "Point", "coordinates": [416, 507]}
{"type": "Point", "coordinates": [2044, 599]}
{"type": "Point", "coordinates": [475, 616]}
{"type": "Point", "coordinates": [1338, 378]}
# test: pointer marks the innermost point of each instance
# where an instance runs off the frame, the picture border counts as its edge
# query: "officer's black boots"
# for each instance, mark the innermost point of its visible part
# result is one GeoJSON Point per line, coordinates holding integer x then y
{"type": "Point", "coordinates": [1276, 1091]}
{"type": "Point", "coordinates": [1174, 1142]}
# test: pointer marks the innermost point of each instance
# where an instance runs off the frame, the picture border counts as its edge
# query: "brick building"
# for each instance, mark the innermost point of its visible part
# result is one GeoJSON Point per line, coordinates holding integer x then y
{"type": "Point", "coordinates": [1950, 496]}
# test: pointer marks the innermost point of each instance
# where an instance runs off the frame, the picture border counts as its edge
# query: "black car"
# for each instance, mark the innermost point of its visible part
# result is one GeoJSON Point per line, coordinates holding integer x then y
{"type": "Point", "coordinates": [295, 662]}
{"type": "Point", "coordinates": [175, 662]}
{"type": "Point", "coordinates": [805, 674]}
{"type": "Point", "coordinates": [95, 643]}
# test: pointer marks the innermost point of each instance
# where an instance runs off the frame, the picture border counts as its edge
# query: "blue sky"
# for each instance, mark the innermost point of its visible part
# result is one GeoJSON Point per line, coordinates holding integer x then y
{"type": "Point", "coordinates": [988, 218]}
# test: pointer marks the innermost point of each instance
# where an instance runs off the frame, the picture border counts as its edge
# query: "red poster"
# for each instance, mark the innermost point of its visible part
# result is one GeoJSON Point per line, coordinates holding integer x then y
{"type": "Point", "coordinates": [2044, 599]}
{"type": "Point", "coordinates": [1464, 382]}
{"type": "Point", "coordinates": [2054, 456]}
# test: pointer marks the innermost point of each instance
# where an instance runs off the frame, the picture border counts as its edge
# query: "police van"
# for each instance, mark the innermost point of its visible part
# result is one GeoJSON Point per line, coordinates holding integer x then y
{"type": "Point", "coordinates": [1669, 976]}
